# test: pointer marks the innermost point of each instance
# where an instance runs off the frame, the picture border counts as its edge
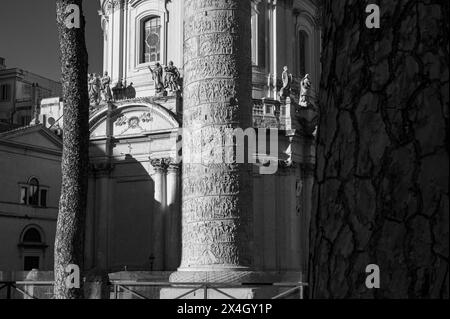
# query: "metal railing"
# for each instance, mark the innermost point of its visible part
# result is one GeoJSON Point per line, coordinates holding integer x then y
{"type": "Point", "coordinates": [126, 286]}
{"type": "Point", "coordinates": [14, 286]}
{"type": "Point", "coordinates": [119, 286]}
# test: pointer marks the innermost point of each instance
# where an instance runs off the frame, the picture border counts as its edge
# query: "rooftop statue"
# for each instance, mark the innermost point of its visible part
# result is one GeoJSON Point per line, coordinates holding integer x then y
{"type": "Point", "coordinates": [94, 88]}
{"type": "Point", "coordinates": [286, 77]}
{"type": "Point", "coordinates": [172, 78]}
{"type": "Point", "coordinates": [157, 75]}
{"type": "Point", "coordinates": [305, 91]}
{"type": "Point", "coordinates": [106, 88]}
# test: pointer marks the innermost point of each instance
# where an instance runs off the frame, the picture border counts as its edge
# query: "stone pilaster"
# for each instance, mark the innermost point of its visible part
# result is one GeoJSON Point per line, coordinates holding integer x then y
{"type": "Point", "coordinates": [217, 198]}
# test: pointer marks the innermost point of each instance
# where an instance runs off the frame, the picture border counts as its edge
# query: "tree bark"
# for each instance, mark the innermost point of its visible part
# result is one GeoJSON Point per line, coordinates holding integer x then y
{"type": "Point", "coordinates": [382, 156]}
{"type": "Point", "coordinates": [72, 205]}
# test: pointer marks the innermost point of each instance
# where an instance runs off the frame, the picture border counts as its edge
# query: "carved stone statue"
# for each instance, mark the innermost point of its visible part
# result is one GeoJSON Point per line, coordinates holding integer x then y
{"type": "Point", "coordinates": [172, 78]}
{"type": "Point", "coordinates": [118, 90]}
{"type": "Point", "coordinates": [106, 87]}
{"type": "Point", "coordinates": [305, 91]}
{"type": "Point", "coordinates": [130, 91]}
{"type": "Point", "coordinates": [157, 75]}
{"type": "Point", "coordinates": [91, 87]}
{"type": "Point", "coordinates": [287, 82]}
{"type": "Point", "coordinates": [94, 89]}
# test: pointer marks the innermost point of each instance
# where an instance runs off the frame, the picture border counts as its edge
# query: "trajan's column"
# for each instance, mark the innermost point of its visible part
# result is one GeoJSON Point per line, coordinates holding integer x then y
{"type": "Point", "coordinates": [217, 197]}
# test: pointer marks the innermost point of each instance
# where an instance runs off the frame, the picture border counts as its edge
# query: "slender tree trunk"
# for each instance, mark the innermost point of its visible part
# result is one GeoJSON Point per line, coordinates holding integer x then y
{"type": "Point", "coordinates": [72, 206]}
{"type": "Point", "coordinates": [382, 157]}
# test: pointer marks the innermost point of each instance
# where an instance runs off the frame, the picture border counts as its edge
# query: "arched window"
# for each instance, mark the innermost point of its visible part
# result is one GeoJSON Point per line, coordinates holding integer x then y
{"type": "Point", "coordinates": [302, 53]}
{"type": "Point", "coordinates": [33, 193]}
{"type": "Point", "coordinates": [151, 39]}
{"type": "Point", "coordinates": [32, 247]}
{"type": "Point", "coordinates": [32, 235]}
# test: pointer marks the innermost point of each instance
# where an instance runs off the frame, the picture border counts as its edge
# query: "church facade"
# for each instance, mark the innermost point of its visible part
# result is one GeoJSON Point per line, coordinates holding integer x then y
{"type": "Point", "coordinates": [134, 218]}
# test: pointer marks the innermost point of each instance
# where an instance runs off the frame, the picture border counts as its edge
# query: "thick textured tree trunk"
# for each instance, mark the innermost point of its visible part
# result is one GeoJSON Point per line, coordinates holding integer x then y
{"type": "Point", "coordinates": [382, 172]}
{"type": "Point", "coordinates": [72, 206]}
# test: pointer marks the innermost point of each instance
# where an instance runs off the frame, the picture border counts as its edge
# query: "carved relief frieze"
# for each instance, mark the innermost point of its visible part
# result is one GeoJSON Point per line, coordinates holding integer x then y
{"type": "Point", "coordinates": [216, 192]}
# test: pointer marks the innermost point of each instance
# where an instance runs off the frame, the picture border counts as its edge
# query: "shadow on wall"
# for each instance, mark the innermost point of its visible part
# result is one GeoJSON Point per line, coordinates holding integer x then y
{"type": "Point", "coordinates": [125, 221]}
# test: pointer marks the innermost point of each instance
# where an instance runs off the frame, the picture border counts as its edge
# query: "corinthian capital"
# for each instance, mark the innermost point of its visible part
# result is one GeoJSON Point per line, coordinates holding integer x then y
{"type": "Point", "coordinates": [160, 164]}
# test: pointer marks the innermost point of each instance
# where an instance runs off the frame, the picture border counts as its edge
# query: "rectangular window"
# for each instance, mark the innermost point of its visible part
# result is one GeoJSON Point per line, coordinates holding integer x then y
{"type": "Point", "coordinates": [33, 198]}
{"type": "Point", "coordinates": [23, 195]}
{"type": "Point", "coordinates": [30, 263]}
{"type": "Point", "coordinates": [151, 41]}
{"type": "Point", "coordinates": [43, 198]}
{"type": "Point", "coordinates": [5, 92]}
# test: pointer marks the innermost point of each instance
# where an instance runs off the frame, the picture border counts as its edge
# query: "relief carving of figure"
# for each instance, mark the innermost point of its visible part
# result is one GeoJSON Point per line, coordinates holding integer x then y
{"type": "Point", "coordinates": [106, 87]}
{"type": "Point", "coordinates": [157, 75]}
{"type": "Point", "coordinates": [287, 82]}
{"type": "Point", "coordinates": [172, 78]}
{"type": "Point", "coordinates": [305, 91]}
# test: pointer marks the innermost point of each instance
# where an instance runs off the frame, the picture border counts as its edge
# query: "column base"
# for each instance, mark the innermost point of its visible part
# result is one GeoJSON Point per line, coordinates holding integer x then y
{"type": "Point", "coordinates": [224, 284]}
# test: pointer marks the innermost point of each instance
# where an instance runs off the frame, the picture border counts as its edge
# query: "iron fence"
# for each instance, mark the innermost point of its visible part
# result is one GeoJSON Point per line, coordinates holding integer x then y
{"type": "Point", "coordinates": [25, 289]}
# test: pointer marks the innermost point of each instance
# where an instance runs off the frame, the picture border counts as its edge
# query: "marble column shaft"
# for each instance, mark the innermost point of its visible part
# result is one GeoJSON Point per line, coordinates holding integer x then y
{"type": "Point", "coordinates": [173, 218]}
{"type": "Point", "coordinates": [159, 209]}
{"type": "Point", "coordinates": [217, 197]}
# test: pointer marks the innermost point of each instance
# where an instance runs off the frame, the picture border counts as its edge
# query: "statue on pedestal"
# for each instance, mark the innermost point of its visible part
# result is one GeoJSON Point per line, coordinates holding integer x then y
{"type": "Point", "coordinates": [118, 90]}
{"type": "Point", "coordinates": [94, 89]}
{"type": "Point", "coordinates": [172, 77]}
{"type": "Point", "coordinates": [305, 91]}
{"type": "Point", "coordinates": [130, 91]}
{"type": "Point", "coordinates": [286, 77]}
{"type": "Point", "coordinates": [157, 75]}
{"type": "Point", "coordinates": [106, 87]}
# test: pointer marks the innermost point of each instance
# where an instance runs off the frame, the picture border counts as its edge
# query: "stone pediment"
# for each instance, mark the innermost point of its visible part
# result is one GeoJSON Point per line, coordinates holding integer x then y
{"type": "Point", "coordinates": [133, 119]}
{"type": "Point", "coordinates": [36, 137]}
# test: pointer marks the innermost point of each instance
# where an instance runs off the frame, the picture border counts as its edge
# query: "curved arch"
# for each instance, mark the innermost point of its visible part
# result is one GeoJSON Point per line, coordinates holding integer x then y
{"type": "Point", "coordinates": [154, 117]}
{"type": "Point", "coordinates": [165, 113]}
{"type": "Point", "coordinates": [32, 228]}
{"type": "Point", "coordinates": [31, 178]}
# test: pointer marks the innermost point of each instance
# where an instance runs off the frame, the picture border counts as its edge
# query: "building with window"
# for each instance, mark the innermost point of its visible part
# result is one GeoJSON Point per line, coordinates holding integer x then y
{"type": "Point", "coordinates": [134, 214]}
{"type": "Point", "coordinates": [21, 93]}
{"type": "Point", "coordinates": [30, 166]}
{"type": "Point", "coordinates": [137, 34]}
{"type": "Point", "coordinates": [135, 183]}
